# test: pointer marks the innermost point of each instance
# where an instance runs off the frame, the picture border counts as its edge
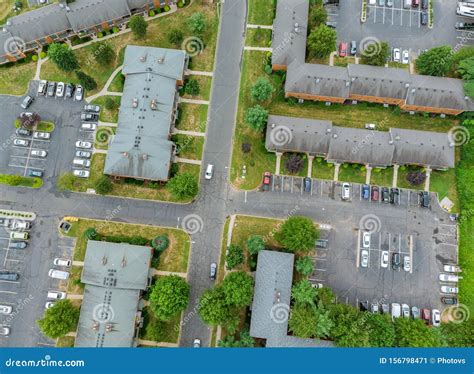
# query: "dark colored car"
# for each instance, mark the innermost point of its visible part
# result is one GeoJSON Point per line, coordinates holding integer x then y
{"type": "Point", "coordinates": [9, 276]}
{"type": "Point", "coordinates": [415, 3]}
{"type": "Point", "coordinates": [365, 192]}
{"type": "Point", "coordinates": [307, 184]}
{"type": "Point", "coordinates": [385, 195]}
{"type": "Point", "coordinates": [449, 300]}
{"type": "Point", "coordinates": [395, 196]}
{"type": "Point", "coordinates": [70, 90]}
{"type": "Point", "coordinates": [89, 117]}
{"type": "Point", "coordinates": [425, 315]}
{"type": "Point", "coordinates": [51, 89]}
{"type": "Point", "coordinates": [35, 173]}
{"type": "Point", "coordinates": [364, 306]}
{"type": "Point", "coordinates": [18, 245]}
{"type": "Point", "coordinates": [424, 4]}
{"type": "Point", "coordinates": [23, 132]}
{"type": "Point", "coordinates": [396, 261]}
{"type": "Point", "coordinates": [424, 18]}
{"type": "Point", "coordinates": [464, 26]}
{"type": "Point", "coordinates": [331, 24]}
{"type": "Point", "coordinates": [321, 243]}
{"type": "Point", "coordinates": [375, 193]}
{"type": "Point", "coordinates": [425, 199]}
{"type": "Point", "coordinates": [267, 180]}
{"type": "Point", "coordinates": [26, 102]}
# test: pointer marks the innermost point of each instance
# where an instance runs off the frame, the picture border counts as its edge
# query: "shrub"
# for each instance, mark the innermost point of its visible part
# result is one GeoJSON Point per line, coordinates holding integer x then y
{"type": "Point", "coordinates": [256, 117]}
{"type": "Point", "coordinates": [416, 178]}
{"type": "Point", "coordinates": [262, 90]}
{"type": "Point", "coordinates": [42, 54]}
{"type": "Point", "coordinates": [34, 58]}
{"type": "Point", "coordinates": [192, 87]}
{"type": "Point", "coordinates": [103, 185]}
{"type": "Point", "coordinates": [294, 164]}
{"type": "Point", "coordinates": [151, 13]}
{"type": "Point", "coordinates": [235, 256]}
{"type": "Point", "coordinates": [175, 37]}
{"type": "Point", "coordinates": [160, 243]}
{"type": "Point", "coordinates": [246, 147]}
{"type": "Point", "coordinates": [167, 8]}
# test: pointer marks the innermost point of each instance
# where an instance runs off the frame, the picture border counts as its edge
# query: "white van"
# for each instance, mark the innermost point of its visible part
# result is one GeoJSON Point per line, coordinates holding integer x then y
{"type": "Point", "coordinates": [406, 4]}
{"type": "Point", "coordinates": [346, 191]}
{"type": "Point", "coordinates": [58, 274]}
{"type": "Point", "coordinates": [89, 126]}
{"type": "Point", "coordinates": [56, 295]}
{"type": "Point", "coordinates": [209, 172]}
{"type": "Point", "coordinates": [19, 235]}
{"type": "Point", "coordinates": [81, 162]}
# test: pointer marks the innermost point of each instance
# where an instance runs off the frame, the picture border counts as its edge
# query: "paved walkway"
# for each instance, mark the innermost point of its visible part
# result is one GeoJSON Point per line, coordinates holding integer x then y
{"type": "Point", "coordinates": [187, 161]}
{"type": "Point", "coordinates": [203, 73]}
{"type": "Point", "coordinates": [75, 297]}
{"type": "Point", "coordinates": [105, 91]}
{"type": "Point", "coordinates": [78, 263]}
{"type": "Point", "coordinates": [336, 172]}
{"type": "Point", "coordinates": [100, 151]}
{"type": "Point", "coordinates": [194, 101]}
{"type": "Point", "coordinates": [395, 175]}
{"type": "Point", "coordinates": [39, 64]}
{"type": "Point", "coordinates": [157, 344]}
{"type": "Point", "coordinates": [189, 133]}
{"type": "Point", "coordinates": [266, 27]}
{"type": "Point", "coordinates": [331, 58]}
{"type": "Point", "coordinates": [107, 124]}
{"type": "Point", "coordinates": [261, 49]}
{"type": "Point", "coordinates": [165, 273]}
{"type": "Point", "coordinates": [428, 178]}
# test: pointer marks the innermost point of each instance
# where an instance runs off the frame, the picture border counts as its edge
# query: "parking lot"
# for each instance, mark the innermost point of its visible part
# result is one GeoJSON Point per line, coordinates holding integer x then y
{"type": "Point", "coordinates": [22, 160]}
{"type": "Point", "coordinates": [395, 15]}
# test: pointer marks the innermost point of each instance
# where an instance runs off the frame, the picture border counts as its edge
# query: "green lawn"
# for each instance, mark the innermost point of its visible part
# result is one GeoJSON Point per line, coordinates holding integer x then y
{"type": "Point", "coordinates": [74, 286]}
{"type": "Point", "coordinates": [402, 178]}
{"type": "Point", "coordinates": [444, 183]}
{"type": "Point", "coordinates": [258, 38]}
{"type": "Point", "coordinates": [117, 83]}
{"type": "Point", "coordinates": [351, 173]}
{"type": "Point", "coordinates": [65, 342]}
{"type": "Point", "coordinates": [18, 181]}
{"type": "Point", "coordinates": [174, 259]}
{"type": "Point", "coordinates": [108, 115]}
{"type": "Point", "coordinates": [189, 147]}
{"type": "Point", "coordinates": [159, 331]}
{"type": "Point", "coordinates": [322, 169]}
{"type": "Point", "coordinates": [261, 12]}
{"type": "Point", "coordinates": [303, 171]}
{"type": "Point", "coordinates": [343, 61]}
{"type": "Point", "coordinates": [204, 87]}
{"type": "Point", "coordinates": [103, 136]}
{"type": "Point", "coordinates": [45, 126]}
{"type": "Point", "coordinates": [382, 177]}
{"type": "Point", "coordinates": [14, 77]}
{"type": "Point", "coordinates": [192, 117]}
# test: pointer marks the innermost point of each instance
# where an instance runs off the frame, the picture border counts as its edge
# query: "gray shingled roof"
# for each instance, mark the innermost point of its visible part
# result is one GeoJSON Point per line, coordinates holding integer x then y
{"type": "Point", "coordinates": [287, 134]}
{"type": "Point", "coordinates": [290, 29]}
{"type": "Point", "coordinates": [114, 274]}
{"type": "Point", "coordinates": [271, 301]}
{"type": "Point", "coordinates": [360, 146]}
{"type": "Point", "coordinates": [316, 79]}
{"type": "Point", "coordinates": [7, 45]}
{"type": "Point", "coordinates": [141, 148]}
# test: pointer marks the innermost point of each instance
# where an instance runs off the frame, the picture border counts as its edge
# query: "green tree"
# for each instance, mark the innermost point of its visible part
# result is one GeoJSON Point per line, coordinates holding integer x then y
{"type": "Point", "coordinates": [466, 69]}
{"type": "Point", "coordinates": [103, 53]}
{"type": "Point", "coordinates": [304, 293]}
{"type": "Point", "coordinates": [196, 23]}
{"type": "Point", "coordinates": [415, 333]}
{"type": "Point", "coordinates": [297, 234]}
{"type": "Point", "coordinates": [325, 297]}
{"type": "Point", "coordinates": [255, 244]}
{"type": "Point", "coordinates": [138, 26]}
{"type": "Point", "coordinates": [262, 90]}
{"type": "Point", "coordinates": [169, 297]}
{"type": "Point", "coordinates": [235, 256]}
{"type": "Point", "coordinates": [160, 243]}
{"type": "Point", "coordinates": [86, 81]}
{"type": "Point", "coordinates": [469, 88]}
{"type": "Point", "coordinates": [229, 341]}
{"type": "Point", "coordinates": [436, 61]}
{"type": "Point", "coordinates": [90, 233]}
{"type": "Point", "coordinates": [175, 37]}
{"type": "Point", "coordinates": [213, 308]}
{"type": "Point", "coordinates": [349, 326]}
{"type": "Point", "coordinates": [238, 289]}
{"type": "Point", "coordinates": [322, 41]}
{"type": "Point", "coordinates": [256, 117]}
{"type": "Point", "coordinates": [103, 185]}
{"type": "Point", "coordinates": [192, 87]}
{"type": "Point", "coordinates": [60, 319]}
{"type": "Point", "coordinates": [459, 334]}
{"type": "Point", "coordinates": [318, 16]}
{"type": "Point", "coordinates": [381, 331]}
{"type": "Point", "coordinates": [304, 265]}
{"type": "Point", "coordinates": [183, 185]}
{"type": "Point", "coordinates": [62, 56]}
{"type": "Point", "coordinates": [308, 322]}
{"type": "Point", "coordinates": [375, 54]}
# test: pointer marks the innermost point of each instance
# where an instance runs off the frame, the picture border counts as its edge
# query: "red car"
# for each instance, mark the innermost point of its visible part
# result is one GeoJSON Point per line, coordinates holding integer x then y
{"type": "Point", "coordinates": [375, 193]}
{"type": "Point", "coordinates": [267, 180]}
{"type": "Point", "coordinates": [342, 49]}
{"type": "Point", "coordinates": [425, 316]}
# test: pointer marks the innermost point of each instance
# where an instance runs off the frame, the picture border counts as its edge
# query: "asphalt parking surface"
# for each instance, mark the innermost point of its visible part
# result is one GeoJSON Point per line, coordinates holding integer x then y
{"type": "Point", "coordinates": [401, 28]}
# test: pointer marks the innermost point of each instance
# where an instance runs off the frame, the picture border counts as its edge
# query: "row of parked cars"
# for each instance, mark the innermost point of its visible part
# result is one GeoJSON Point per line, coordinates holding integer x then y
{"type": "Point", "coordinates": [53, 295]}
{"type": "Point", "coordinates": [407, 4]}
{"type": "Point", "coordinates": [450, 275]}
{"type": "Point", "coordinates": [61, 90]}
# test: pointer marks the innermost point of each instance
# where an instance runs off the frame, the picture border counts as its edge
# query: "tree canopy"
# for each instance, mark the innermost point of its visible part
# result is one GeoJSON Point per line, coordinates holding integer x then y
{"type": "Point", "coordinates": [62, 56]}
{"type": "Point", "coordinates": [304, 293]}
{"type": "Point", "coordinates": [214, 309]}
{"type": "Point", "coordinates": [375, 53]}
{"type": "Point", "coordinates": [196, 23]}
{"type": "Point", "coordinates": [262, 90]}
{"type": "Point", "coordinates": [322, 41]}
{"type": "Point", "coordinates": [466, 68]}
{"type": "Point", "coordinates": [183, 185]}
{"type": "Point", "coordinates": [436, 61]}
{"type": "Point", "coordinates": [169, 296]}
{"type": "Point", "coordinates": [245, 341]}
{"type": "Point", "coordinates": [138, 25]}
{"type": "Point", "coordinates": [415, 333]}
{"type": "Point", "coordinates": [238, 289]}
{"type": "Point", "coordinates": [60, 319]}
{"type": "Point", "coordinates": [103, 53]}
{"type": "Point", "coordinates": [256, 117]}
{"type": "Point", "coordinates": [309, 322]}
{"type": "Point", "coordinates": [304, 265]}
{"type": "Point", "coordinates": [255, 244]}
{"type": "Point", "coordinates": [297, 234]}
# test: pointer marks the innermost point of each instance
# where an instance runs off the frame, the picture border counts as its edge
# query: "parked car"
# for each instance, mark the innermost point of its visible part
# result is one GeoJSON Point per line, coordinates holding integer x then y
{"type": "Point", "coordinates": [58, 274]}
{"type": "Point", "coordinates": [370, 126]}
{"type": "Point", "coordinates": [9, 276]}
{"type": "Point", "coordinates": [307, 184]}
{"type": "Point", "coordinates": [372, 2]}
{"type": "Point", "coordinates": [405, 57]}
{"type": "Point", "coordinates": [365, 192]}
{"type": "Point", "coordinates": [79, 93]}
{"type": "Point", "coordinates": [84, 154]}
{"type": "Point", "coordinates": [452, 268]}
{"type": "Point", "coordinates": [23, 132]}
{"type": "Point", "coordinates": [415, 3]}
{"type": "Point", "coordinates": [389, 3]}
{"type": "Point", "coordinates": [81, 173]}
{"type": "Point", "coordinates": [464, 25]}
{"type": "Point", "coordinates": [424, 4]}
{"type": "Point", "coordinates": [374, 307]}
{"type": "Point", "coordinates": [395, 196]}
{"type": "Point", "coordinates": [69, 90]}
{"type": "Point", "coordinates": [267, 181]}
{"type": "Point", "coordinates": [343, 49]}
{"type": "Point", "coordinates": [35, 173]}
{"type": "Point", "coordinates": [381, 2]}
{"type": "Point", "coordinates": [26, 102]}
{"type": "Point", "coordinates": [405, 311]}
{"type": "Point", "coordinates": [396, 261]}
{"type": "Point", "coordinates": [38, 153]}
{"type": "Point", "coordinates": [435, 317]}
{"type": "Point", "coordinates": [49, 304]}
{"type": "Point", "coordinates": [51, 89]}
{"type": "Point", "coordinates": [20, 225]}
{"type": "Point", "coordinates": [424, 18]}
{"type": "Point", "coordinates": [448, 278]}
{"type": "Point", "coordinates": [366, 239]}
{"type": "Point", "coordinates": [21, 142]}
{"type": "Point", "coordinates": [91, 117]}
{"type": "Point", "coordinates": [62, 262]}
{"type": "Point", "coordinates": [406, 263]}
{"type": "Point", "coordinates": [426, 315]}
{"type": "Point", "coordinates": [346, 191]}
{"type": "Point", "coordinates": [425, 199]}
{"type": "Point", "coordinates": [41, 135]}
{"type": "Point", "coordinates": [81, 162]}
{"type": "Point", "coordinates": [385, 195]}
{"type": "Point", "coordinates": [449, 289]}
{"type": "Point", "coordinates": [396, 56]}
{"type": "Point", "coordinates": [364, 258]}
{"type": "Point", "coordinates": [83, 145]}
{"type": "Point", "coordinates": [60, 89]}
{"type": "Point", "coordinates": [5, 309]}
{"type": "Point", "coordinates": [89, 126]}
{"type": "Point", "coordinates": [364, 306]}
{"type": "Point", "coordinates": [91, 108]}
{"type": "Point", "coordinates": [353, 48]}
{"type": "Point", "coordinates": [415, 312]}
{"type": "Point", "coordinates": [385, 308]}
{"type": "Point", "coordinates": [449, 300]}
{"type": "Point", "coordinates": [375, 193]}
{"type": "Point", "coordinates": [396, 310]}
{"type": "Point", "coordinates": [332, 25]}
{"type": "Point", "coordinates": [322, 243]}
{"type": "Point", "coordinates": [17, 245]}
{"type": "Point", "coordinates": [56, 295]}
{"type": "Point", "coordinates": [42, 85]}
{"type": "Point", "coordinates": [213, 271]}
{"type": "Point", "coordinates": [197, 343]}
{"type": "Point", "coordinates": [384, 259]}
{"type": "Point", "coordinates": [15, 235]}
{"type": "Point", "coordinates": [4, 330]}
{"type": "Point", "coordinates": [406, 4]}
{"type": "Point", "coordinates": [209, 172]}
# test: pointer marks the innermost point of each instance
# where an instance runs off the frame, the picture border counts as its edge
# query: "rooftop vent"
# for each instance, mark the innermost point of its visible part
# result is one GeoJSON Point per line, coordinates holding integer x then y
{"type": "Point", "coordinates": [95, 326]}
{"type": "Point", "coordinates": [134, 103]}
{"type": "Point", "coordinates": [143, 58]}
{"type": "Point", "coordinates": [413, 91]}
{"type": "Point", "coordinates": [335, 136]}
{"type": "Point", "coordinates": [407, 85]}
{"type": "Point", "coordinates": [329, 130]}
{"type": "Point", "coordinates": [109, 327]}
{"type": "Point", "coordinates": [145, 156]}
{"type": "Point", "coordinates": [348, 84]}
{"type": "Point", "coordinates": [125, 154]}
{"type": "Point", "coordinates": [397, 137]}
{"type": "Point", "coordinates": [466, 98]}
{"type": "Point", "coordinates": [273, 125]}
{"type": "Point", "coordinates": [161, 60]}
{"type": "Point", "coordinates": [390, 141]}
{"type": "Point", "coordinates": [104, 260]}
{"type": "Point", "coordinates": [154, 104]}
{"type": "Point", "coordinates": [124, 262]}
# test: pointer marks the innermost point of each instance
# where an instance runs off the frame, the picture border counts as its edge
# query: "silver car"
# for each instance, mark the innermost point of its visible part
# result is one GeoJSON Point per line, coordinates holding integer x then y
{"type": "Point", "coordinates": [364, 258]}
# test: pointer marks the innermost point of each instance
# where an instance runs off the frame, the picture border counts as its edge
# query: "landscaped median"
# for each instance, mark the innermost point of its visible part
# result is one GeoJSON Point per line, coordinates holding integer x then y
{"type": "Point", "coordinates": [19, 181]}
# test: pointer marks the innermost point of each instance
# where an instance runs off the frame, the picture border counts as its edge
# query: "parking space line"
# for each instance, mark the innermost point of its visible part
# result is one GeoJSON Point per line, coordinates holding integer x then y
{"type": "Point", "coordinates": [320, 269]}
{"type": "Point", "coordinates": [10, 292]}
{"type": "Point", "coordinates": [292, 184]}
{"type": "Point", "coordinates": [13, 282]}
{"type": "Point", "coordinates": [358, 250]}
{"type": "Point", "coordinates": [383, 16]}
